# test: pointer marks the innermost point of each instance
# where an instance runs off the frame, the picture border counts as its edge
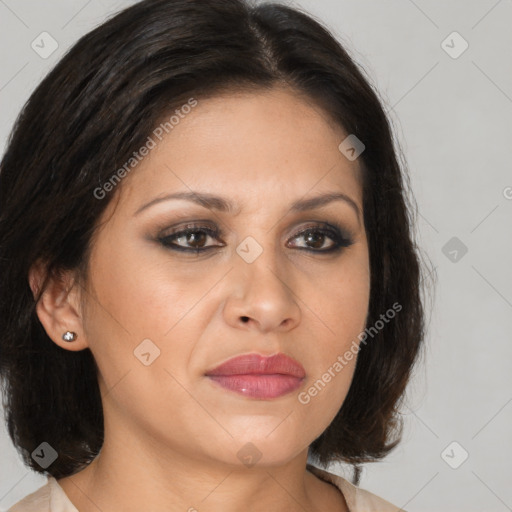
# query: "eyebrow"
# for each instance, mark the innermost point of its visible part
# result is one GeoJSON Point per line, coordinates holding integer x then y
{"type": "Point", "coordinates": [221, 204]}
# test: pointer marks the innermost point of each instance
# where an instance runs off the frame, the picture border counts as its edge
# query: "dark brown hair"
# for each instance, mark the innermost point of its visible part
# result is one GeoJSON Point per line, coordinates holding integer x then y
{"type": "Point", "coordinates": [86, 118]}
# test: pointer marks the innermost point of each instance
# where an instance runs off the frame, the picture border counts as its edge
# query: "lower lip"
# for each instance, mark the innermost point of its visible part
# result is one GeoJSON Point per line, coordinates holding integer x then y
{"type": "Point", "coordinates": [259, 386]}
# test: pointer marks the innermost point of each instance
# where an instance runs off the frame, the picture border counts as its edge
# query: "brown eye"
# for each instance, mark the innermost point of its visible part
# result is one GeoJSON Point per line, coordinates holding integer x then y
{"type": "Point", "coordinates": [194, 238]}
{"type": "Point", "coordinates": [191, 239]}
{"type": "Point", "coordinates": [317, 236]}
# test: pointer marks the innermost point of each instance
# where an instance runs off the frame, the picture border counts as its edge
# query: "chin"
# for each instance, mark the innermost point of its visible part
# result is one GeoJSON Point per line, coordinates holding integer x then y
{"type": "Point", "coordinates": [256, 447]}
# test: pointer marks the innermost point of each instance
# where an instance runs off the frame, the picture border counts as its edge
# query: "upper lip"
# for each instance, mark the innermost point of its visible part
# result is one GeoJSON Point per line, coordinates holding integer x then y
{"type": "Point", "coordinates": [258, 364]}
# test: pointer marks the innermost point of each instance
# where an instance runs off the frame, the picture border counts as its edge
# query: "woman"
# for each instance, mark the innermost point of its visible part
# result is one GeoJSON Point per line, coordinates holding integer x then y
{"type": "Point", "coordinates": [208, 280]}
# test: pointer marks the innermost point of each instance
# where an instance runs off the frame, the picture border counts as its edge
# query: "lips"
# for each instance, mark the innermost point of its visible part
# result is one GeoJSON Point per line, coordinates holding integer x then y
{"type": "Point", "coordinates": [251, 364]}
{"type": "Point", "coordinates": [258, 376]}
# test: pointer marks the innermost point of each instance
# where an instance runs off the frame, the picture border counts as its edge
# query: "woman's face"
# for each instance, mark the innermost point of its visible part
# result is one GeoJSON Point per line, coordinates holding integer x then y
{"type": "Point", "coordinates": [160, 315]}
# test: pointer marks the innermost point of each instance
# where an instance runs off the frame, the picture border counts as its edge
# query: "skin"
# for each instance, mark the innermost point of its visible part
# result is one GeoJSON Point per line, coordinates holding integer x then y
{"type": "Point", "coordinates": [171, 434]}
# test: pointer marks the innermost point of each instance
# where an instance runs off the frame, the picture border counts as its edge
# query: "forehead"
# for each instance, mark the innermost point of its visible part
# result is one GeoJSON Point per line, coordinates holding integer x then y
{"type": "Point", "coordinates": [258, 148]}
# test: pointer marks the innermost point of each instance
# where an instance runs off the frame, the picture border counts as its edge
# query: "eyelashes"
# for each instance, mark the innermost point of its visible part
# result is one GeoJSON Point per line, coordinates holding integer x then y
{"type": "Point", "coordinates": [193, 238]}
{"type": "Point", "coordinates": [192, 233]}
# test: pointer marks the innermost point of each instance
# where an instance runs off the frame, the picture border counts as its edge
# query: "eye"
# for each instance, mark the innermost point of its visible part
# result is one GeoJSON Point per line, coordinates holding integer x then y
{"type": "Point", "coordinates": [316, 237]}
{"type": "Point", "coordinates": [194, 238]}
{"type": "Point", "coordinates": [193, 234]}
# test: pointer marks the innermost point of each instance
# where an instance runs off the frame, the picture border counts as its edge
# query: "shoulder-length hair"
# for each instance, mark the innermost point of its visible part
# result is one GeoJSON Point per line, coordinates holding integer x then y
{"type": "Point", "coordinates": [86, 118]}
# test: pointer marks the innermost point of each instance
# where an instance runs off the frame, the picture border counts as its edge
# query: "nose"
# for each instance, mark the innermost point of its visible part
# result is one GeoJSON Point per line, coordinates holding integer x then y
{"type": "Point", "coordinates": [262, 296]}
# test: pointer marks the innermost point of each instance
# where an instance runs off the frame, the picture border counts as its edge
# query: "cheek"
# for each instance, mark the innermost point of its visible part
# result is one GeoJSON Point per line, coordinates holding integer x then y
{"type": "Point", "coordinates": [141, 295]}
{"type": "Point", "coordinates": [341, 301]}
{"type": "Point", "coordinates": [340, 313]}
{"type": "Point", "coordinates": [141, 291]}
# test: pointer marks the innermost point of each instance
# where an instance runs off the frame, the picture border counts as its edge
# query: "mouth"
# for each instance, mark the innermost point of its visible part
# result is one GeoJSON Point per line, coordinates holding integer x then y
{"type": "Point", "coordinates": [256, 376]}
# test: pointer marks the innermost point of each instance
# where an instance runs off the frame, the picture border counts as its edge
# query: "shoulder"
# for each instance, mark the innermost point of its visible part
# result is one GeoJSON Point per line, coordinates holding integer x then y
{"type": "Point", "coordinates": [358, 500]}
{"type": "Point", "coordinates": [39, 500]}
{"type": "Point", "coordinates": [48, 498]}
{"type": "Point", "coordinates": [52, 498]}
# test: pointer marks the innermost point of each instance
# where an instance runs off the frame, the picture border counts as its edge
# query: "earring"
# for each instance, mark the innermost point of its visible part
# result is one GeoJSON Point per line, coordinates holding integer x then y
{"type": "Point", "coordinates": [69, 336]}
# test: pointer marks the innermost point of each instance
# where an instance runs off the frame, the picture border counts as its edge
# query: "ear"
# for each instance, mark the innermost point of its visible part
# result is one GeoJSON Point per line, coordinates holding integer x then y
{"type": "Point", "coordinates": [58, 308]}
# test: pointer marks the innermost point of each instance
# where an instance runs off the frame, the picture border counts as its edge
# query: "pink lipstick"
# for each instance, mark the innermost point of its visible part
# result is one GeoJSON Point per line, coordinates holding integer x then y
{"type": "Point", "coordinates": [258, 376]}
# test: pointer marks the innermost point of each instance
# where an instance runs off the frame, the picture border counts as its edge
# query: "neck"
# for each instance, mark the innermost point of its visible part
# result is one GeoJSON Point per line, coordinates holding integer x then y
{"type": "Point", "coordinates": [134, 472]}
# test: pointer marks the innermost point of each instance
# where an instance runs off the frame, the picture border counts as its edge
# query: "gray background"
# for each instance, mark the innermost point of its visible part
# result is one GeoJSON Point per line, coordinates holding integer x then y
{"type": "Point", "coordinates": [451, 116]}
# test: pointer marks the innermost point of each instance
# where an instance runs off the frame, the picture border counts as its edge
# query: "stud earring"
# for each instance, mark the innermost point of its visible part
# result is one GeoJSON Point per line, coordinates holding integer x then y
{"type": "Point", "coordinates": [69, 336]}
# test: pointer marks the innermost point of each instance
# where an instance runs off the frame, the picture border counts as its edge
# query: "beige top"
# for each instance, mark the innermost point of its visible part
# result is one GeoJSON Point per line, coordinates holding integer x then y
{"type": "Point", "coordinates": [52, 498]}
